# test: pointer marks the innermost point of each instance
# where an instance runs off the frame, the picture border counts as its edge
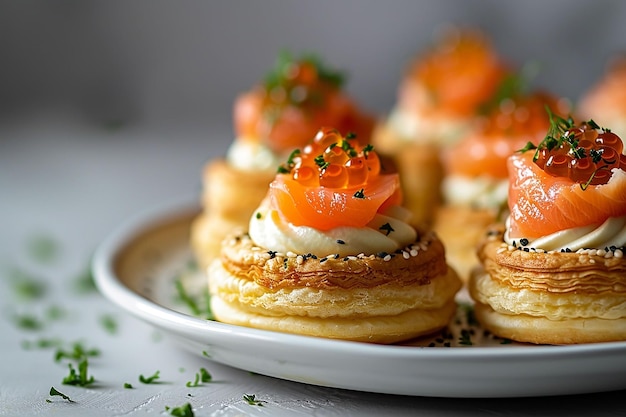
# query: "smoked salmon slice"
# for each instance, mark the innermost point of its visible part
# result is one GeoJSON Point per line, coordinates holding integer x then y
{"type": "Point", "coordinates": [513, 121]}
{"type": "Point", "coordinates": [460, 72]}
{"type": "Point", "coordinates": [333, 182]}
{"type": "Point", "coordinates": [298, 97]}
{"type": "Point", "coordinates": [541, 204]}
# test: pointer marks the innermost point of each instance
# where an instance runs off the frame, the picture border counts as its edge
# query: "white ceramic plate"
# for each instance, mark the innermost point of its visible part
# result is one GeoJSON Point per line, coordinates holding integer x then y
{"type": "Point", "coordinates": [138, 265]}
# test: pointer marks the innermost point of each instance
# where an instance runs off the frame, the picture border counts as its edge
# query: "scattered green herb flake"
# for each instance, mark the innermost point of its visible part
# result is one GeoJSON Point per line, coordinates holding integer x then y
{"type": "Point", "coordinates": [109, 323]}
{"type": "Point", "coordinates": [320, 162]}
{"type": "Point", "coordinates": [186, 298]}
{"type": "Point", "coordinates": [27, 322]}
{"type": "Point", "coordinates": [258, 215]}
{"type": "Point", "coordinates": [205, 376]}
{"type": "Point", "coordinates": [359, 194]}
{"type": "Point", "coordinates": [151, 379]}
{"type": "Point", "coordinates": [78, 352]}
{"type": "Point", "coordinates": [55, 312]}
{"type": "Point", "coordinates": [41, 344]}
{"type": "Point", "coordinates": [465, 338]}
{"type": "Point", "coordinates": [85, 283]}
{"type": "Point", "coordinates": [184, 410]}
{"type": "Point", "coordinates": [43, 248]}
{"type": "Point", "coordinates": [55, 392]}
{"type": "Point", "coordinates": [79, 378]}
{"type": "Point", "coordinates": [251, 399]}
{"type": "Point", "coordinates": [386, 228]}
{"type": "Point", "coordinates": [25, 286]}
{"type": "Point", "coordinates": [194, 383]}
{"type": "Point", "coordinates": [128, 385]}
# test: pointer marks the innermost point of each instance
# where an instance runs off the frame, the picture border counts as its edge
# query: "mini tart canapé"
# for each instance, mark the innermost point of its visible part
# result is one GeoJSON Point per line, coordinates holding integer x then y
{"type": "Point", "coordinates": [555, 272]}
{"type": "Point", "coordinates": [329, 253]}
{"type": "Point", "coordinates": [279, 114]}
{"type": "Point", "coordinates": [475, 185]}
{"type": "Point", "coordinates": [438, 100]}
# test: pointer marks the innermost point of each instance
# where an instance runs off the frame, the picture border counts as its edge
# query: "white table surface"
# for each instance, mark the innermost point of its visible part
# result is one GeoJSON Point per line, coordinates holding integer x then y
{"type": "Point", "coordinates": [72, 182]}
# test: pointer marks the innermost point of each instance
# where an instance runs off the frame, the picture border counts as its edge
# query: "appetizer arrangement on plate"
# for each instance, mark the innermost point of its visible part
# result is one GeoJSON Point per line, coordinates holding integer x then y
{"type": "Point", "coordinates": [475, 182]}
{"type": "Point", "coordinates": [329, 252]}
{"type": "Point", "coordinates": [555, 272]}
{"type": "Point", "coordinates": [279, 114]}
{"type": "Point", "coordinates": [438, 99]}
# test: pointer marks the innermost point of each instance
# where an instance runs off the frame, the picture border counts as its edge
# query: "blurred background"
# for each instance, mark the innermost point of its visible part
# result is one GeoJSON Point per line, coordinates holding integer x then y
{"type": "Point", "coordinates": [110, 107]}
{"type": "Point", "coordinates": [182, 62]}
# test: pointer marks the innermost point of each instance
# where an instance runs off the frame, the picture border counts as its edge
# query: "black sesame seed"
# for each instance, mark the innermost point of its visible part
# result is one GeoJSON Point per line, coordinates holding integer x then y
{"type": "Point", "coordinates": [324, 259]}
{"type": "Point", "coordinates": [272, 254]}
{"type": "Point", "coordinates": [523, 241]}
{"type": "Point", "coordinates": [341, 242]}
{"type": "Point", "coordinates": [382, 254]}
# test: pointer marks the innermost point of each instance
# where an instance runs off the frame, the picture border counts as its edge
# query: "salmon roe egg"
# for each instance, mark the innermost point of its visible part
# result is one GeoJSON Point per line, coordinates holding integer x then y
{"type": "Point", "coordinates": [334, 161]}
{"type": "Point", "coordinates": [586, 154]}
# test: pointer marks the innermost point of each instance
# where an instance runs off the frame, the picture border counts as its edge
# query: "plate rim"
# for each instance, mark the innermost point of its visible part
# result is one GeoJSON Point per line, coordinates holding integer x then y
{"type": "Point", "coordinates": [151, 311]}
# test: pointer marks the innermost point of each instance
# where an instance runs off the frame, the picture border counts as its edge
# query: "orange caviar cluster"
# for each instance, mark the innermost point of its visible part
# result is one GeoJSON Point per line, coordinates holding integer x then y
{"type": "Point", "coordinates": [333, 161]}
{"type": "Point", "coordinates": [585, 153]}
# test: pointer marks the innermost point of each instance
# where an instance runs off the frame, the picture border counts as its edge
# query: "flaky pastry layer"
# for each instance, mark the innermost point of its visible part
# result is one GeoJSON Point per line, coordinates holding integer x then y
{"type": "Point", "coordinates": [541, 330]}
{"type": "Point", "coordinates": [373, 329]}
{"type": "Point", "coordinates": [555, 272]}
{"type": "Point", "coordinates": [229, 199]}
{"type": "Point", "coordinates": [417, 264]}
{"type": "Point", "coordinates": [549, 297]}
{"type": "Point", "coordinates": [421, 172]}
{"type": "Point", "coordinates": [232, 193]}
{"type": "Point", "coordinates": [388, 299]}
{"type": "Point", "coordinates": [461, 229]}
{"type": "Point", "coordinates": [380, 298]}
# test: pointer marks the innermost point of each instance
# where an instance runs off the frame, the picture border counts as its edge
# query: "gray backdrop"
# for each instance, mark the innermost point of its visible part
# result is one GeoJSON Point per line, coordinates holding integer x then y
{"type": "Point", "coordinates": [184, 61]}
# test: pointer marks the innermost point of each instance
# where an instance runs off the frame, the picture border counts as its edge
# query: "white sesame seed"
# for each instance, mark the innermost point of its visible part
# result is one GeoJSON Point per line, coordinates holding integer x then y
{"type": "Point", "coordinates": [618, 253]}
{"type": "Point", "coordinates": [500, 250]}
{"type": "Point", "coordinates": [600, 252]}
{"type": "Point", "coordinates": [387, 258]}
{"type": "Point", "coordinates": [406, 255]}
{"type": "Point", "coordinates": [290, 254]}
{"type": "Point", "coordinates": [592, 261]}
{"type": "Point", "coordinates": [413, 252]}
{"type": "Point", "coordinates": [299, 259]}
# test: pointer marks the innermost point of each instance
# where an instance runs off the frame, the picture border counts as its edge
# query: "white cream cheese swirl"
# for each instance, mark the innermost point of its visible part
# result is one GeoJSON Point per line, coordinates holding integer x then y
{"type": "Point", "coordinates": [385, 233]}
{"type": "Point", "coordinates": [611, 233]}
{"type": "Point", "coordinates": [426, 129]}
{"type": "Point", "coordinates": [481, 192]}
{"type": "Point", "coordinates": [251, 155]}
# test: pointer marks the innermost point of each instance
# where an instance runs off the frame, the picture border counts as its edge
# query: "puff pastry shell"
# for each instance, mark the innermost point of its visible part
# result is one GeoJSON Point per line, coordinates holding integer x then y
{"type": "Point", "coordinates": [550, 297]}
